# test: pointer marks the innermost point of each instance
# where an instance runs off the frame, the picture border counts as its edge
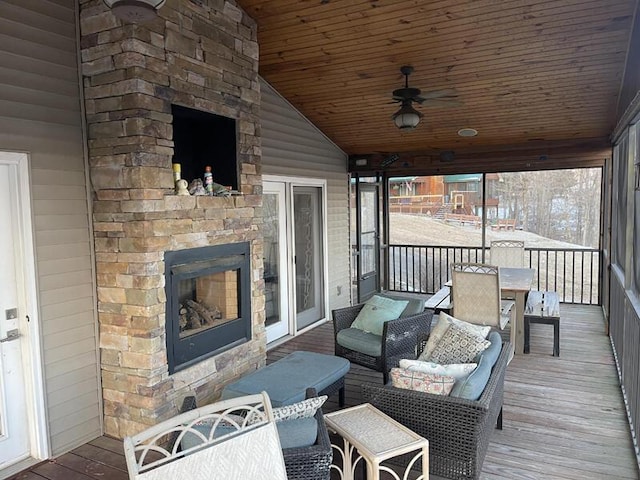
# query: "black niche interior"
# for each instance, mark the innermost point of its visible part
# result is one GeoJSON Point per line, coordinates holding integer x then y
{"type": "Point", "coordinates": [201, 139]}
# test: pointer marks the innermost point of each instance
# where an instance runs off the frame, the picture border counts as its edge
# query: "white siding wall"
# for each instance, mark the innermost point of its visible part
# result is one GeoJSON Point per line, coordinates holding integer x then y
{"type": "Point", "coordinates": [40, 114]}
{"type": "Point", "coordinates": [291, 145]}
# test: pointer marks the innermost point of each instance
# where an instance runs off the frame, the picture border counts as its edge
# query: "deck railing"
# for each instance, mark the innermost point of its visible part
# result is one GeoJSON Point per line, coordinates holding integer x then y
{"type": "Point", "coordinates": [572, 272]}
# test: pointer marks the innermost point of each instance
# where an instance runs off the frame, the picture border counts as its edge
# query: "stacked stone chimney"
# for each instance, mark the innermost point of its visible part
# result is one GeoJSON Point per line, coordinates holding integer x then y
{"type": "Point", "coordinates": [201, 54]}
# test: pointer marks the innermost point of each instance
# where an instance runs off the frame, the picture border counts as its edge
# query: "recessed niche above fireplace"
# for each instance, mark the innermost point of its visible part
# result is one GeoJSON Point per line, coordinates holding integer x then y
{"type": "Point", "coordinates": [201, 139]}
{"type": "Point", "coordinates": [208, 302]}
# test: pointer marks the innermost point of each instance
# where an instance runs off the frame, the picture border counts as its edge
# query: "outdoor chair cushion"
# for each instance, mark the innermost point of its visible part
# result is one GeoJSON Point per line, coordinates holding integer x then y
{"type": "Point", "coordinates": [414, 307]}
{"type": "Point", "coordinates": [360, 341]}
{"type": "Point", "coordinates": [287, 379]}
{"type": "Point", "coordinates": [376, 311]}
{"type": "Point", "coordinates": [472, 387]}
{"type": "Point", "coordinates": [295, 433]}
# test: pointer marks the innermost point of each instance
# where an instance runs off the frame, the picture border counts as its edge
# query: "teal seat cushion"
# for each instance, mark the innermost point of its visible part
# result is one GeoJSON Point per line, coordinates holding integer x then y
{"type": "Point", "coordinates": [287, 380]}
{"type": "Point", "coordinates": [296, 433]}
{"type": "Point", "coordinates": [414, 307]}
{"type": "Point", "coordinates": [472, 387]}
{"type": "Point", "coordinates": [376, 311]}
{"type": "Point", "coordinates": [360, 341]}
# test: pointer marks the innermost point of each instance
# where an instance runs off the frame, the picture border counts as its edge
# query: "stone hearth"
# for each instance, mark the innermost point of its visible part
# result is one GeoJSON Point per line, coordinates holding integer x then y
{"type": "Point", "coordinates": [201, 54]}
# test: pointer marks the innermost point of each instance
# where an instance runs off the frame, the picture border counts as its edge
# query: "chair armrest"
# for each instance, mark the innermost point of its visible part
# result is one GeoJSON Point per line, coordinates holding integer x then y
{"type": "Point", "coordinates": [401, 336]}
{"type": "Point", "coordinates": [344, 317]}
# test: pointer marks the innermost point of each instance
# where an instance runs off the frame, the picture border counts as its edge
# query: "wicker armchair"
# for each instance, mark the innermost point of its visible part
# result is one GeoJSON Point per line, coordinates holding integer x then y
{"type": "Point", "coordinates": [399, 339]}
{"type": "Point", "coordinates": [304, 463]}
{"type": "Point", "coordinates": [458, 430]}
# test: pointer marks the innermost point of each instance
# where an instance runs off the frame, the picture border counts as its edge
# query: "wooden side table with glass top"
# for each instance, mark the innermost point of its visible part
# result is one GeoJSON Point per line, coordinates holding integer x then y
{"type": "Point", "coordinates": [373, 437]}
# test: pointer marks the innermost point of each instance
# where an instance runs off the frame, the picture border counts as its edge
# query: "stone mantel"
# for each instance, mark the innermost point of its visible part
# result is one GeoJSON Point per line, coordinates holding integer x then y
{"type": "Point", "coordinates": [201, 54]}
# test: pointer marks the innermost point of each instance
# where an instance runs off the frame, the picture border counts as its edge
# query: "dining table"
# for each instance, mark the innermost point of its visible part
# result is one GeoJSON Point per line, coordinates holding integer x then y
{"type": "Point", "coordinates": [515, 283]}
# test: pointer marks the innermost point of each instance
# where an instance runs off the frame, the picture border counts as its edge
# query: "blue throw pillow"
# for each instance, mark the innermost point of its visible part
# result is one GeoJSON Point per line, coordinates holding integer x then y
{"type": "Point", "coordinates": [414, 305]}
{"type": "Point", "coordinates": [376, 311]}
{"type": "Point", "coordinates": [472, 387]}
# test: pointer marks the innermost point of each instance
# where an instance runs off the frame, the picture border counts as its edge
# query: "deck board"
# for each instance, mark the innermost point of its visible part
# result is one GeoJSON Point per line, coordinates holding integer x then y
{"type": "Point", "coordinates": [564, 417]}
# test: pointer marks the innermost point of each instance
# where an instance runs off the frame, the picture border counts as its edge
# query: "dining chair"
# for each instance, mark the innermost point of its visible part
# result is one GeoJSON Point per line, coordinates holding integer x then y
{"type": "Point", "coordinates": [507, 253]}
{"type": "Point", "coordinates": [475, 291]}
{"type": "Point", "coordinates": [234, 439]}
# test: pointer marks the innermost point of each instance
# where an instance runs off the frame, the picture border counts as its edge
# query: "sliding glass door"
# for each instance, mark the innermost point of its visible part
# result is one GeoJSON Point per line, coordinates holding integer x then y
{"type": "Point", "coordinates": [294, 258]}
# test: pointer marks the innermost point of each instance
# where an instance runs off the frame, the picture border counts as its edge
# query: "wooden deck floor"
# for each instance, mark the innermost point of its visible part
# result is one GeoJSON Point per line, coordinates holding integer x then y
{"type": "Point", "coordinates": [564, 418]}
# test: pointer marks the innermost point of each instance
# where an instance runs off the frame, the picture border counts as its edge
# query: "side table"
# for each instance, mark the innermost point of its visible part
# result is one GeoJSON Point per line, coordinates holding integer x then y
{"type": "Point", "coordinates": [373, 437]}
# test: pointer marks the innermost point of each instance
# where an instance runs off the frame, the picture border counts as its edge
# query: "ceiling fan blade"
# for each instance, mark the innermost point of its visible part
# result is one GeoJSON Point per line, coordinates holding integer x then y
{"type": "Point", "coordinates": [443, 93]}
{"type": "Point", "coordinates": [442, 102]}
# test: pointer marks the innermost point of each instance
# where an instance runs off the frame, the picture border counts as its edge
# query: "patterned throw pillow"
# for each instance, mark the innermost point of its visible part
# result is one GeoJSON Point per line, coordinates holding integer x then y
{"type": "Point", "coordinates": [421, 382]}
{"type": "Point", "coordinates": [304, 409]}
{"type": "Point", "coordinates": [441, 327]}
{"type": "Point", "coordinates": [459, 371]}
{"type": "Point", "coordinates": [458, 346]}
{"type": "Point", "coordinates": [480, 330]}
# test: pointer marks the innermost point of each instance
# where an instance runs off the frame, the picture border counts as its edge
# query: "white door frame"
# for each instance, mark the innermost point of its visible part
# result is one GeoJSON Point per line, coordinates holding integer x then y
{"type": "Point", "coordinates": [295, 181]}
{"type": "Point", "coordinates": [283, 327]}
{"type": "Point", "coordinates": [31, 339]}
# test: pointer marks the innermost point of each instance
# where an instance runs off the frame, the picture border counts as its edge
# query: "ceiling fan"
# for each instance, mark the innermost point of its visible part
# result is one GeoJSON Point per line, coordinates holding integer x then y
{"type": "Point", "coordinates": [408, 117]}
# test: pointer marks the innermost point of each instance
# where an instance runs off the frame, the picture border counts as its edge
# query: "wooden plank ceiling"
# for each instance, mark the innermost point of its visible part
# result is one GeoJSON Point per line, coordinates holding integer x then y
{"type": "Point", "coordinates": [529, 75]}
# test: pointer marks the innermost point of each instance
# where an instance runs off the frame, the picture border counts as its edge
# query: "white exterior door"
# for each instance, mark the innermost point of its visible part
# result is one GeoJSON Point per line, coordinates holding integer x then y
{"type": "Point", "coordinates": [295, 267]}
{"type": "Point", "coordinates": [276, 273]}
{"type": "Point", "coordinates": [20, 437]}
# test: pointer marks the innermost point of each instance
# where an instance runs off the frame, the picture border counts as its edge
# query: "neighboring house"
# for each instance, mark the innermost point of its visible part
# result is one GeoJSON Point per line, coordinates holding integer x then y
{"type": "Point", "coordinates": [438, 195]}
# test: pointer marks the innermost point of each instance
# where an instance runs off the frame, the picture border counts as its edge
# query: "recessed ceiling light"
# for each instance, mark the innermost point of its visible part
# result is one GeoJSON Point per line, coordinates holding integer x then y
{"type": "Point", "coordinates": [467, 132]}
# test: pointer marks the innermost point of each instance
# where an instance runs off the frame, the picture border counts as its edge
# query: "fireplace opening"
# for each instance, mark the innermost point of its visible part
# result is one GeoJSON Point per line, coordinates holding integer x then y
{"type": "Point", "coordinates": [208, 302]}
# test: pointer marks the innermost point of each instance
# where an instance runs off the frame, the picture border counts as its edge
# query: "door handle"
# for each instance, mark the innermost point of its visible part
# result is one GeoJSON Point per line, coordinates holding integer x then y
{"type": "Point", "coordinates": [11, 335]}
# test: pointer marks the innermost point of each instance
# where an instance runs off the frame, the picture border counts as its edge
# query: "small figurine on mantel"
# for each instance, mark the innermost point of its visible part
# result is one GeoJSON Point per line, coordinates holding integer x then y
{"type": "Point", "coordinates": [220, 190]}
{"type": "Point", "coordinates": [196, 187]}
{"type": "Point", "coordinates": [181, 187]}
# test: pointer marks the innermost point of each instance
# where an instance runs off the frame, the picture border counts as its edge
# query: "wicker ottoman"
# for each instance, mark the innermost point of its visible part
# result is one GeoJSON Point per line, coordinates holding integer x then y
{"type": "Point", "coordinates": [287, 379]}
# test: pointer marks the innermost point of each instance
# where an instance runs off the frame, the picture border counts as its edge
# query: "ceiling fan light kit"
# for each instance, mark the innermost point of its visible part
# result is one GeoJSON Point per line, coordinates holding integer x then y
{"type": "Point", "coordinates": [407, 118]}
{"type": "Point", "coordinates": [135, 11]}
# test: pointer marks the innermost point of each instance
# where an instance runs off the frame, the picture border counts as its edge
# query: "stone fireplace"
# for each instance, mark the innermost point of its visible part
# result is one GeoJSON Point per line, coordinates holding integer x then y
{"type": "Point", "coordinates": [200, 55]}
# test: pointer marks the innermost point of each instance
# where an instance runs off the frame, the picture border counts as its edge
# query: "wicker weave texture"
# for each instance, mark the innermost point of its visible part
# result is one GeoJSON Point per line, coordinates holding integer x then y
{"type": "Point", "coordinates": [399, 338]}
{"type": "Point", "coordinates": [458, 430]}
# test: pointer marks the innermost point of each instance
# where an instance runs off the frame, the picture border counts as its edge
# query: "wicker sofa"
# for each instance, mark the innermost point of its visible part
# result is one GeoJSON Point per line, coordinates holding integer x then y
{"type": "Point", "coordinates": [458, 430]}
{"type": "Point", "coordinates": [303, 463]}
{"type": "Point", "coordinates": [398, 340]}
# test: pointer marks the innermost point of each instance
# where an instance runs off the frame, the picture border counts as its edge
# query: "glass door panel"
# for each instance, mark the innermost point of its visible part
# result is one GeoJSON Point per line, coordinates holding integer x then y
{"type": "Point", "coordinates": [309, 286]}
{"type": "Point", "coordinates": [275, 264]}
{"type": "Point", "coordinates": [369, 241]}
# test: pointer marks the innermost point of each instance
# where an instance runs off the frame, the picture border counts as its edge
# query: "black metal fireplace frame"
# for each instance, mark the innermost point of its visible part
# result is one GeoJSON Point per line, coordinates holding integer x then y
{"type": "Point", "coordinates": [183, 264]}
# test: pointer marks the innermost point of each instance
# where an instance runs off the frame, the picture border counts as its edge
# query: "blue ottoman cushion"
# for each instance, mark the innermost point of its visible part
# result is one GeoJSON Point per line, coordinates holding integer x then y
{"type": "Point", "coordinates": [287, 379]}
